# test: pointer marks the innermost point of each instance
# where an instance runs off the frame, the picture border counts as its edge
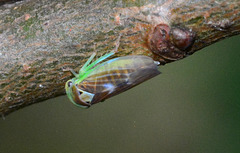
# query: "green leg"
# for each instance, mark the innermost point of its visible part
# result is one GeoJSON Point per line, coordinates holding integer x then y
{"type": "Point", "coordinates": [73, 72]}
{"type": "Point", "coordinates": [88, 61]}
{"type": "Point", "coordinates": [102, 57]}
{"type": "Point", "coordinates": [99, 60]}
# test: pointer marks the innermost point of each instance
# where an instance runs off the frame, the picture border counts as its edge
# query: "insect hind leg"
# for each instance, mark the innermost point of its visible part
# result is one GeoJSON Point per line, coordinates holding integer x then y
{"type": "Point", "coordinates": [88, 67]}
{"type": "Point", "coordinates": [87, 63]}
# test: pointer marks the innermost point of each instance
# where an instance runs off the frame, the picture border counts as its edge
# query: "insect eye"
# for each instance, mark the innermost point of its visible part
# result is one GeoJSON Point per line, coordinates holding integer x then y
{"type": "Point", "coordinates": [88, 103]}
{"type": "Point", "coordinates": [69, 83]}
{"type": "Point", "coordinates": [80, 92]}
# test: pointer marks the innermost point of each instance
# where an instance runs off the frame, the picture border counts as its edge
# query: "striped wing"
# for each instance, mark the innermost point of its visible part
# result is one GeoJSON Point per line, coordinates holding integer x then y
{"type": "Point", "coordinates": [117, 75]}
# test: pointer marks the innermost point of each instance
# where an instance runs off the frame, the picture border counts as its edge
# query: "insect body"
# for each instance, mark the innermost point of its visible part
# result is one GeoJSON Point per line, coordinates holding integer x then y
{"type": "Point", "coordinates": [97, 82]}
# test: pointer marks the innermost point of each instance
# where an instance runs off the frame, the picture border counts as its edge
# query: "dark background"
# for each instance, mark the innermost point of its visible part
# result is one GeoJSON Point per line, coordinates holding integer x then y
{"type": "Point", "coordinates": [192, 107]}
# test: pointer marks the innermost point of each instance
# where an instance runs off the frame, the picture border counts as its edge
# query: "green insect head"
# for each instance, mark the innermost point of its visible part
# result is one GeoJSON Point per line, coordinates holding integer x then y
{"type": "Point", "coordinates": [77, 96]}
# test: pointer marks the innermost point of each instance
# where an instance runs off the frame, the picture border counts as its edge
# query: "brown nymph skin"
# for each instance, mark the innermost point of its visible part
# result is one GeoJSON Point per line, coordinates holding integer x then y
{"type": "Point", "coordinates": [171, 43]}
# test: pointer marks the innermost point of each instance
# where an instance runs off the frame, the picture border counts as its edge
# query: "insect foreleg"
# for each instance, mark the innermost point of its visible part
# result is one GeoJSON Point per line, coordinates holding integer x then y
{"type": "Point", "coordinates": [73, 72]}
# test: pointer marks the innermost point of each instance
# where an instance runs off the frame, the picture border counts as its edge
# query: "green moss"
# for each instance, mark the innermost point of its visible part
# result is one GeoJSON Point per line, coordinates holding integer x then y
{"type": "Point", "coordinates": [26, 24]}
{"type": "Point", "coordinates": [30, 27]}
{"type": "Point", "coordinates": [9, 19]}
{"type": "Point", "coordinates": [110, 33]}
{"type": "Point", "coordinates": [25, 28]}
{"type": "Point", "coordinates": [133, 3]}
{"type": "Point", "coordinates": [195, 20]}
{"type": "Point", "coordinates": [119, 28]}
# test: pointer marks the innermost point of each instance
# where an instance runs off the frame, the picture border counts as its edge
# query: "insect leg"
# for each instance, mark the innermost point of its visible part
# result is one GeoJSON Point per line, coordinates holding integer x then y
{"type": "Point", "coordinates": [96, 62]}
{"type": "Point", "coordinates": [73, 72]}
{"type": "Point", "coordinates": [88, 61]}
{"type": "Point", "coordinates": [103, 57]}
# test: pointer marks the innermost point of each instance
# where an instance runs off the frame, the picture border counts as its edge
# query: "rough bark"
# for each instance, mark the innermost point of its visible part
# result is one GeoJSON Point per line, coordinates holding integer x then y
{"type": "Point", "coordinates": [41, 40]}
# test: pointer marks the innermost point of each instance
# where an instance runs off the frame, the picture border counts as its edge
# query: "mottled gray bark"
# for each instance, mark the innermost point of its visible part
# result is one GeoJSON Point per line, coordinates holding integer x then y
{"type": "Point", "coordinates": [41, 40]}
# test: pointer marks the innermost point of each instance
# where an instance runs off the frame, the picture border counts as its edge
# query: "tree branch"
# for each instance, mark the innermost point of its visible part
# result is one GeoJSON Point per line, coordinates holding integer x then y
{"type": "Point", "coordinates": [41, 40]}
